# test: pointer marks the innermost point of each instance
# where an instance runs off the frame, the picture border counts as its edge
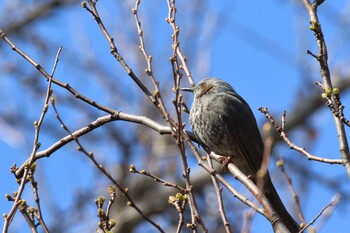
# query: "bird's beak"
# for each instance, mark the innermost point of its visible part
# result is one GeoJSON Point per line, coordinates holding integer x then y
{"type": "Point", "coordinates": [188, 89]}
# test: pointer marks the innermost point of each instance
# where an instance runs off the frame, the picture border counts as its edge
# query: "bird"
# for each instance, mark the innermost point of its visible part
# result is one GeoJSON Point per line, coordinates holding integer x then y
{"type": "Point", "coordinates": [223, 123]}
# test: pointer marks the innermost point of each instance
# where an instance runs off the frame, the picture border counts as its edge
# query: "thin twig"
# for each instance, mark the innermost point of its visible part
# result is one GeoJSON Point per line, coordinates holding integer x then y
{"type": "Point", "coordinates": [161, 129]}
{"type": "Point", "coordinates": [106, 224]}
{"type": "Point", "coordinates": [248, 183]}
{"type": "Point", "coordinates": [114, 51]}
{"type": "Point", "coordinates": [292, 145]}
{"type": "Point", "coordinates": [112, 193]}
{"type": "Point", "coordinates": [39, 214]}
{"type": "Point", "coordinates": [333, 203]}
{"type": "Point", "coordinates": [102, 169]}
{"type": "Point", "coordinates": [280, 165]}
{"type": "Point", "coordinates": [222, 180]}
{"type": "Point", "coordinates": [23, 208]}
{"type": "Point", "coordinates": [337, 112]}
{"type": "Point", "coordinates": [179, 201]}
{"type": "Point", "coordinates": [148, 58]}
{"type": "Point", "coordinates": [154, 98]}
{"type": "Point", "coordinates": [247, 222]}
{"type": "Point", "coordinates": [197, 221]}
{"type": "Point", "coordinates": [171, 20]}
{"type": "Point", "coordinates": [322, 58]}
{"type": "Point", "coordinates": [36, 144]}
{"type": "Point", "coordinates": [218, 191]}
{"type": "Point", "coordinates": [133, 169]}
{"type": "Point", "coordinates": [53, 80]}
{"type": "Point", "coordinates": [178, 106]}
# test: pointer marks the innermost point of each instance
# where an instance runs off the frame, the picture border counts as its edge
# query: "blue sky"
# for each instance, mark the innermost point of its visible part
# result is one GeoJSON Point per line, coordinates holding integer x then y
{"type": "Point", "coordinates": [259, 48]}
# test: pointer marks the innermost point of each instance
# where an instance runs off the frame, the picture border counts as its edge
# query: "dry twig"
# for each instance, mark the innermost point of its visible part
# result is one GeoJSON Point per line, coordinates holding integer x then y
{"type": "Point", "coordinates": [322, 58]}
{"type": "Point", "coordinates": [36, 146]}
{"type": "Point", "coordinates": [333, 203]}
{"type": "Point", "coordinates": [292, 145]}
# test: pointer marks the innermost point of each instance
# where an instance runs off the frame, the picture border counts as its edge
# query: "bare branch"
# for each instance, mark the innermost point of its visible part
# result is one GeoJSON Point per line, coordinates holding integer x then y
{"type": "Point", "coordinates": [115, 52]}
{"type": "Point", "coordinates": [176, 46]}
{"type": "Point", "coordinates": [268, 211]}
{"type": "Point", "coordinates": [295, 147]}
{"type": "Point", "coordinates": [37, 125]}
{"type": "Point", "coordinates": [213, 172]}
{"type": "Point", "coordinates": [280, 165]}
{"type": "Point", "coordinates": [322, 58]}
{"type": "Point", "coordinates": [38, 214]}
{"type": "Point", "coordinates": [102, 169]}
{"type": "Point", "coordinates": [53, 80]}
{"type": "Point", "coordinates": [106, 224]}
{"type": "Point", "coordinates": [95, 124]}
{"type": "Point", "coordinates": [30, 221]}
{"type": "Point", "coordinates": [133, 169]}
{"type": "Point", "coordinates": [334, 202]}
{"type": "Point", "coordinates": [220, 201]}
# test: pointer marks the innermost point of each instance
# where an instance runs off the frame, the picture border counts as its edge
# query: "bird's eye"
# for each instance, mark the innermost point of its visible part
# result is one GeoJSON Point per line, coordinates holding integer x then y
{"type": "Point", "coordinates": [202, 85]}
{"type": "Point", "coordinates": [204, 88]}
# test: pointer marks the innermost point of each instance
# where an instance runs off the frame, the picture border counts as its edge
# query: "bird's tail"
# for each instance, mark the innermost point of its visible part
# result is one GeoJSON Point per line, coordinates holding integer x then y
{"type": "Point", "coordinates": [277, 204]}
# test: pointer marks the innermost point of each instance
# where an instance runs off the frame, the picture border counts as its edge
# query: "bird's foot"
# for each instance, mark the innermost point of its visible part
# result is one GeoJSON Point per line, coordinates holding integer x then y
{"type": "Point", "coordinates": [224, 160]}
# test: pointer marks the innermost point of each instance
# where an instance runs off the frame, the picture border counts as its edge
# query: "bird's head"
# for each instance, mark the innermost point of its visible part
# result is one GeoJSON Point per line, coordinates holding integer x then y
{"type": "Point", "coordinates": [211, 86]}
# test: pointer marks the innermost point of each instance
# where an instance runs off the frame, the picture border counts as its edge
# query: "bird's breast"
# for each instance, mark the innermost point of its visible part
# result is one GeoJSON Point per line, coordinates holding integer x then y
{"type": "Point", "coordinates": [207, 124]}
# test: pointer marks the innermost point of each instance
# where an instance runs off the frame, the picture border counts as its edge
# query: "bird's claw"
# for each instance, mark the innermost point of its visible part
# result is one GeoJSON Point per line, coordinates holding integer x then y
{"type": "Point", "coordinates": [224, 162]}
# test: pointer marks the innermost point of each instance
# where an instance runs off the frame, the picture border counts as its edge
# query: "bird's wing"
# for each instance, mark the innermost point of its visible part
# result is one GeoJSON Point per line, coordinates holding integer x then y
{"type": "Point", "coordinates": [242, 128]}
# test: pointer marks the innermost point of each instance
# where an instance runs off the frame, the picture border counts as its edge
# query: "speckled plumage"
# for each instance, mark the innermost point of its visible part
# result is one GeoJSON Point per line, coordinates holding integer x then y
{"type": "Point", "coordinates": [224, 123]}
